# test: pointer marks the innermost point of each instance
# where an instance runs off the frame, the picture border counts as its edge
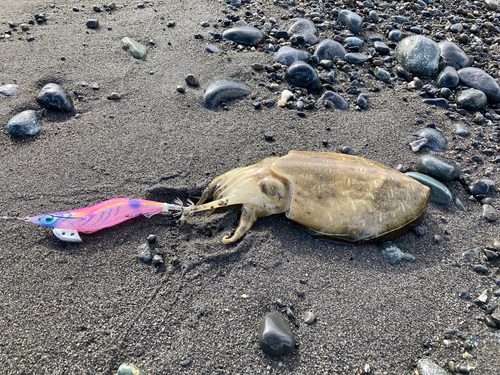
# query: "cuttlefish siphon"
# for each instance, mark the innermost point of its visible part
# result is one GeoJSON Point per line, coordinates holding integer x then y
{"type": "Point", "coordinates": [337, 196]}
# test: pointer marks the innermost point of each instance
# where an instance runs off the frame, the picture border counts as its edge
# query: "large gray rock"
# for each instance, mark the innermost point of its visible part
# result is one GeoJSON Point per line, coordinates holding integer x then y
{"type": "Point", "coordinates": [419, 55]}
{"type": "Point", "coordinates": [301, 74]}
{"type": "Point", "coordinates": [480, 80]}
{"type": "Point", "coordinates": [453, 55]}
{"type": "Point", "coordinates": [223, 91]}
{"type": "Point", "coordinates": [287, 55]}
{"type": "Point", "coordinates": [246, 35]}
{"type": "Point", "coordinates": [328, 49]}
{"type": "Point", "coordinates": [351, 20]}
{"type": "Point", "coordinates": [305, 29]}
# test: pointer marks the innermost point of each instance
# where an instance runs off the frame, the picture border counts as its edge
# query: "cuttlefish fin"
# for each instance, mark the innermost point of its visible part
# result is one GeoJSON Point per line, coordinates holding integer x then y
{"type": "Point", "coordinates": [248, 217]}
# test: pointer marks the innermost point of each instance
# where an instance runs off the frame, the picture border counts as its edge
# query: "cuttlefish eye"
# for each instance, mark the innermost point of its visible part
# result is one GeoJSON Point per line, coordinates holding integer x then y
{"type": "Point", "coordinates": [273, 188]}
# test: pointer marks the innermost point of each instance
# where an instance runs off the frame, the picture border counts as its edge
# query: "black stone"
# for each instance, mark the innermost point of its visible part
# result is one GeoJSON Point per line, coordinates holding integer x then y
{"type": "Point", "coordinates": [53, 96]}
{"type": "Point", "coordinates": [275, 335]}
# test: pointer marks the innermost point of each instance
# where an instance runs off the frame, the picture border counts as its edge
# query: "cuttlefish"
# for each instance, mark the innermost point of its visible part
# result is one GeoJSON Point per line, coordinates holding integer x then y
{"type": "Point", "coordinates": [337, 196]}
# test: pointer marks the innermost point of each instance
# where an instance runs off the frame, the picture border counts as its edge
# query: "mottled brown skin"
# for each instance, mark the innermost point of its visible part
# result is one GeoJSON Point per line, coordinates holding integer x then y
{"type": "Point", "coordinates": [337, 196]}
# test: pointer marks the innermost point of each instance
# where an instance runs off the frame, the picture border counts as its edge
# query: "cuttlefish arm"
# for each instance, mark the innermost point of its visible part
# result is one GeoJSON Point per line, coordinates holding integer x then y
{"type": "Point", "coordinates": [254, 187]}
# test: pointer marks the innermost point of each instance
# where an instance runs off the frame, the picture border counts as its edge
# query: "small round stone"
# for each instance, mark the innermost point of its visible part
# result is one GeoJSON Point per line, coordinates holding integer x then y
{"type": "Point", "coordinates": [180, 89]}
{"type": "Point", "coordinates": [191, 80]}
{"type": "Point", "coordinates": [114, 96]}
{"type": "Point", "coordinates": [128, 369]}
{"type": "Point", "coordinates": [92, 23]}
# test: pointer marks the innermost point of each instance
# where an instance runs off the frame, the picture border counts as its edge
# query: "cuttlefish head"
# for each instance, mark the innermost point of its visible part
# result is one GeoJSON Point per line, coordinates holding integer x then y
{"type": "Point", "coordinates": [255, 187]}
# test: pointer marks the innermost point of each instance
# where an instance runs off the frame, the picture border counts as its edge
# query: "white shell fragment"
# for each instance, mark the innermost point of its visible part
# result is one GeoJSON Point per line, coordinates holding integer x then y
{"type": "Point", "coordinates": [67, 235]}
{"type": "Point", "coordinates": [418, 144]}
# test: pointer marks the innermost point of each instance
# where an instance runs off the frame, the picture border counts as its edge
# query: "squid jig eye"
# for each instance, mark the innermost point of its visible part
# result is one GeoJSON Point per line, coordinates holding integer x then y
{"type": "Point", "coordinates": [49, 218]}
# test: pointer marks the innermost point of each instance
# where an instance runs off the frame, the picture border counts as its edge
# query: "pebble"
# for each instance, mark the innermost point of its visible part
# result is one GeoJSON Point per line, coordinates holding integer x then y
{"type": "Point", "coordinates": [350, 20]}
{"type": "Point", "coordinates": [138, 50]}
{"type": "Point", "coordinates": [305, 30]}
{"type": "Point", "coordinates": [495, 243]}
{"type": "Point", "coordinates": [92, 23]}
{"type": "Point", "coordinates": [381, 47]}
{"type": "Point", "coordinates": [144, 252]}
{"type": "Point", "coordinates": [461, 131]}
{"type": "Point", "coordinates": [287, 55]}
{"type": "Point", "coordinates": [114, 96]}
{"type": "Point", "coordinates": [151, 238]}
{"type": "Point", "coordinates": [395, 35]}
{"type": "Point", "coordinates": [393, 253]}
{"type": "Point", "coordinates": [9, 89]}
{"type": "Point", "coordinates": [158, 260]}
{"type": "Point", "coordinates": [128, 369]}
{"type": "Point", "coordinates": [472, 254]}
{"type": "Point", "coordinates": [438, 102]}
{"type": "Point", "coordinates": [329, 49]}
{"type": "Point", "coordinates": [478, 79]}
{"type": "Point", "coordinates": [381, 74]}
{"type": "Point", "coordinates": [435, 167]}
{"type": "Point", "coordinates": [463, 294]}
{"type": "Point", "coordinates": [427, 367]}
{"type": "Point", "coordinates": [489, 213]}
{"type": "Point", "coordinates": [192, 81]}
{"type": "Point", "coordinates": [212, 49]}
{"type": "Point", "coordinates": [53, 96]}
{"type": "Point", "coordinates": [275, 335]}
{"type": "Point", "coordinates": [448, 77]}
{"type": "Point", "coordinates": [27, 122]}
{"type": "Point", "coordinates": [354, 41]}
{"type": "Point", "coordinates": [435, 140]}
{"type": "Point", "coordinates": [439, 192]}
{"type": "Point", "coordinates": [479, 268]}
{"type": "Point", "coordinates": [479, 187]}
{"type": "Point", "coordinates": [246, 35]}
{"type": "Point", "coordinates": [223, 91]}
{"type": "Point", "coordinates": [355, 58]}
{"type": "Point", "coordinates": [373, 15]}
{"type": "Point", "coordinates": [362, 101]}
{"type": "Point", "coordinates": [334, 98]}
{"type": "Point", "coordinates": [471, 99]}
{"type": "Point", "coordinates": [309, 317]}
{"type": "Point", "coordinates": [419, 55]}
{"type": "Point", "coordinates": [301, 74]}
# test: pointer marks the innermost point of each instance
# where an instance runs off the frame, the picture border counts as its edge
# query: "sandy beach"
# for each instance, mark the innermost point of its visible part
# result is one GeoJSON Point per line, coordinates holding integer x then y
{"type": "Point", "coordinates": [86, 308]}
